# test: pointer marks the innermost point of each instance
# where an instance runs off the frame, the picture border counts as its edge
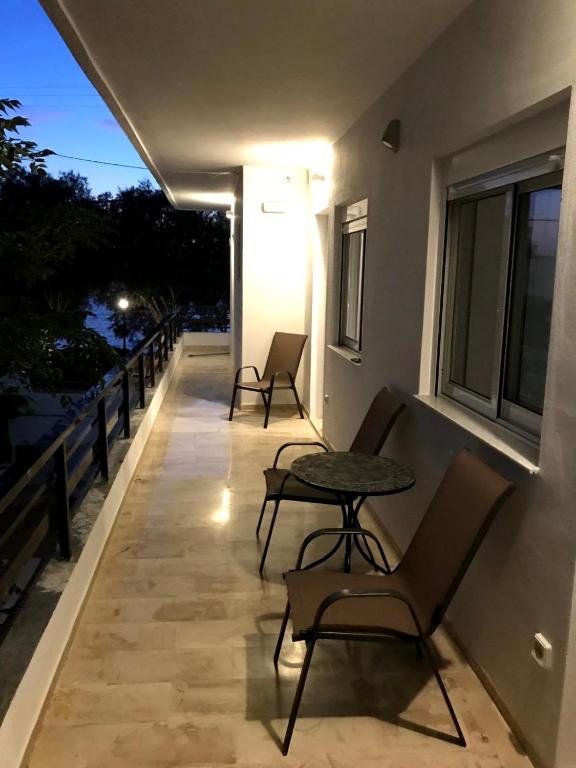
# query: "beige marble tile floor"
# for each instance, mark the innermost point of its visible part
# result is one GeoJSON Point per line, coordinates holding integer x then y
{"type": "Point", "coordinates": [171, 663]}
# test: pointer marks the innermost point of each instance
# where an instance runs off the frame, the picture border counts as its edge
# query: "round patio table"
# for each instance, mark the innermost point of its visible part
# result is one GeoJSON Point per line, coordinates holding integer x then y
{"type": "Point", "coordinates": [353, 477]}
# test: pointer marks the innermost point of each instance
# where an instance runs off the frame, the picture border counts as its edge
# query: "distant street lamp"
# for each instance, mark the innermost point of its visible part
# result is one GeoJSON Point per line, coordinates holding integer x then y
{"type": "Point", "coordinates": [123, 305]}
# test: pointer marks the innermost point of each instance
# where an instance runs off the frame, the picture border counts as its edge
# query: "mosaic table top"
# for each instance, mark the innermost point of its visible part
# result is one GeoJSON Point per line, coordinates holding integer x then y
{"type": "Point", "coordinates": [356, 474]}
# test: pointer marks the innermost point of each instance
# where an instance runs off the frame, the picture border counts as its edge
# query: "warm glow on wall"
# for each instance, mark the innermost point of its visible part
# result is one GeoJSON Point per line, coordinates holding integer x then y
{"type": "Point", "coordinates": [208, 198]}
{"type": "Point", "coordinates": [316, 156]}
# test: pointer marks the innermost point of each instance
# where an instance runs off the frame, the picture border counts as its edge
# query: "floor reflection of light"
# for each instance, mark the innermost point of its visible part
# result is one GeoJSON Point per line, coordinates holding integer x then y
{"type": "Point", "coordinates": [222, 515]}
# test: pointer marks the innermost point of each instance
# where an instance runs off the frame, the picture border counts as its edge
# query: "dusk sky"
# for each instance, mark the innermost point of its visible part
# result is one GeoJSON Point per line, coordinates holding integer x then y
{"type": "Point", "coordinates": [66, 112]}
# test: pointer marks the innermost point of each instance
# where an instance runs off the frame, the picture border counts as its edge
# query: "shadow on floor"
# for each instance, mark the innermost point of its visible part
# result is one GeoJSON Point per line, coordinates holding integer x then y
{"type": "Point", "coordinates": [385, 681]}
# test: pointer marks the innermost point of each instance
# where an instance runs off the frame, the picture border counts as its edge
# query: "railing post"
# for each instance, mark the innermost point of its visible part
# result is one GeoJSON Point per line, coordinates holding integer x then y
{"type": "Point", "coordinates": [152, 365]}
{"type": "Point", "coordinates": [103, 439]}
{"type": "Point", "coordinates": [165, 342]}
{"type": "Point", "coordinates": [160, 354]}
{"type": "Point", "coordinates": [126, 403]}
{"type": "Point", "coordinates": [170, 336]}
{"type": "Point", "coordinates": [142, 381]}
{"type": "Point", "coordinates": [62, 511]}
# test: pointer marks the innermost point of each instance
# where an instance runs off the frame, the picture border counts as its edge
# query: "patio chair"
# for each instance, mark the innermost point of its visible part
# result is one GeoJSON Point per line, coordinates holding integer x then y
{"type": "Point", "coordinates": [279, 372]}
{"type": "Point", "coordinates": [281, 485]}
{"type": "Point", "coordinates": [408, 604]}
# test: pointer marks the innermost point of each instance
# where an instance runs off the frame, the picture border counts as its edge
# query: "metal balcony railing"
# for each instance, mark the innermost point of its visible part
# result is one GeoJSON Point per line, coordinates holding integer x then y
{"type": "Point", "coordinates": [36, 505]}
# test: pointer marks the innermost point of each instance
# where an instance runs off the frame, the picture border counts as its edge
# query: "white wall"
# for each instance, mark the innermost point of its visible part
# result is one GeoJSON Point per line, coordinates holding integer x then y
{"type": "Point", "coordinates": [206, 339]}
{"type": "Point", "coordinates": [274, 263]}
{"type": "Point", "coordinates": [501, 61]}
{"type": "Point", "coordinates": [317, 314]}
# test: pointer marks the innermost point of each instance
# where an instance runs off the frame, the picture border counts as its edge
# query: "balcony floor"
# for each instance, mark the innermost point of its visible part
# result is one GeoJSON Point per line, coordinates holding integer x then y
{"type": "Point", "coordinates": [171, 663]}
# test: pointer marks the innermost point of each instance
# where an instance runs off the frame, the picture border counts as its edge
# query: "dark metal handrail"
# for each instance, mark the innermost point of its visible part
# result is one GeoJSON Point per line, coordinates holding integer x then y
{"type": "Point", "coordinates": [75, 466]}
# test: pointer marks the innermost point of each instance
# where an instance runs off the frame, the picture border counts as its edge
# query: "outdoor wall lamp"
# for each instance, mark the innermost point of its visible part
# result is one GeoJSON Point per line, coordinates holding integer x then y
{"type": "Point", "coordinates": [391, 136]}
{"type": "Point", "coordinates": [123, 303]}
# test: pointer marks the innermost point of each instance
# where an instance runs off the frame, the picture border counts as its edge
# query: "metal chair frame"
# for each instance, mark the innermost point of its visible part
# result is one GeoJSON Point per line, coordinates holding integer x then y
{"type": "Point", "coordinates": [285, 350]}
{"type": "Point", "coordinates": [435, 611]}
{"type": "Point", "coordinates": [344, 501]}
{"type": "Point", "coordinates": [420, 638]}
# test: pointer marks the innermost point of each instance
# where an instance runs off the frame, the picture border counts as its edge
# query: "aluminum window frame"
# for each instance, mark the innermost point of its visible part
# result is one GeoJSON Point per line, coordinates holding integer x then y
{"type": "Point", "coordinates": [529, 175]}
{"type": "Point", "coordinates": [354, 226]}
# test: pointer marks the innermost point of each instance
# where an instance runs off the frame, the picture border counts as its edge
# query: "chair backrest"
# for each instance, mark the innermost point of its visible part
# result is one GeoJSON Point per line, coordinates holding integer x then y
{"type": "Point", "coordinates": [377, 423]}
{"type": "Point", "coordinates": [285, 353]}
{"type": "Point", "coordinates": [450, 533]}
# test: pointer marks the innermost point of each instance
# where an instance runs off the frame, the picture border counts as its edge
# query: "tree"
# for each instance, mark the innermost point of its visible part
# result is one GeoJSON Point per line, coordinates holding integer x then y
{"type": "Point", "coordinates": [49, 228]}
{"type": "Point", "coordinates": [163, 257]}
{"type": "Point", "coordinates": [16, 153]}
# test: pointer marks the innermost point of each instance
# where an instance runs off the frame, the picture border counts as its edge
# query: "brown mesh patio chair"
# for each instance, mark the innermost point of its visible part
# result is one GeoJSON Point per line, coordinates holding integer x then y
{"type": "Point", "coordinates": [281, 485]}
{"type": "Point", "coordinates": [409, 603]}
{"type": "Point", "coordinates": [279, 372]}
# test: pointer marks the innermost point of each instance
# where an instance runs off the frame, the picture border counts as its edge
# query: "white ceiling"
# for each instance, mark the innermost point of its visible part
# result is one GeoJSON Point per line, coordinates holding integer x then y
{"type": "Point", "coordinates": [205, 85]}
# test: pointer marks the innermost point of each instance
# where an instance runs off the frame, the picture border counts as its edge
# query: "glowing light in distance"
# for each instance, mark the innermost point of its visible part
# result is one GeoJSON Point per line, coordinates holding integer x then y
{"type": "Point", "coordinates": [123, 303]}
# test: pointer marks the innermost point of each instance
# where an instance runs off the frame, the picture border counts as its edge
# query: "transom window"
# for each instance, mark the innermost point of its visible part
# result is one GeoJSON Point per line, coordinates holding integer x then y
{"type": "Point", "coordinates": [500, 261]}
{"type": "Point", "coordinates": [352, 275]}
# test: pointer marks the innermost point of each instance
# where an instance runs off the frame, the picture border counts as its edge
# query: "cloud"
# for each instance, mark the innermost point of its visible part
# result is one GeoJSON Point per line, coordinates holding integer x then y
{"type": "Point", "coordinates": [109, 124]}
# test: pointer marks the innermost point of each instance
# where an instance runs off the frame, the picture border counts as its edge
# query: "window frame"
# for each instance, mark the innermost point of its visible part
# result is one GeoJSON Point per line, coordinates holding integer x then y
{"type": "Point", "coordinates": [358, 225]}
{"type": "Point", "coordinates": [541, 172]}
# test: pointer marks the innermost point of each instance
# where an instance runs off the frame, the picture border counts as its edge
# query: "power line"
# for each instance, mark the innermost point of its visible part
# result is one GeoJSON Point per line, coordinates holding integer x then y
{"type": "Point", "coordinates": [102, 162]}
{"type": "Point", "coordinates": [143, 167]}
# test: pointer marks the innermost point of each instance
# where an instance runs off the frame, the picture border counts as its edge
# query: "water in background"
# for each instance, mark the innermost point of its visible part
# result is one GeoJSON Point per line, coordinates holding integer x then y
{"type": "Point", "coordinates": [101, 322]}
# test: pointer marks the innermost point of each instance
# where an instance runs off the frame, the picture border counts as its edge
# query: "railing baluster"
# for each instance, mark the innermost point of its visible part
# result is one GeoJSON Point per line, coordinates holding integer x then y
{"type": "Point", "coordinates": [165, 331]}
{"type": "Point", "coordinates": [103, 439]}
{"type": "Point", "coordinates": [126, 403]}
{"type": "Point", "coordinates": [62, 508]}
{"type": "Point", "coordinates": [152, 365]}
{"type": "Point", "coordinates": [142, 381]}
{"type": "Point", "coordinates": [160, 354]}
{"type": "Point", "coordinates": [170, 336]}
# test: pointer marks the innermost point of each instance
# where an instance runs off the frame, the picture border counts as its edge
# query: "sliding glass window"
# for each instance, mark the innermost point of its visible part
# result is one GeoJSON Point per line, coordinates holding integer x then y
{"type": "Point", "coordinates": [352, 283]}
{"type": "Point", "coordinates": [499, 282]}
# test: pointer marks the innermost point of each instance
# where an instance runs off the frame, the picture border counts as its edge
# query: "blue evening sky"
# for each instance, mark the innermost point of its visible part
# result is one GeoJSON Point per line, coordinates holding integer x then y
{"type": "Point", "coordinates": [66, 112]}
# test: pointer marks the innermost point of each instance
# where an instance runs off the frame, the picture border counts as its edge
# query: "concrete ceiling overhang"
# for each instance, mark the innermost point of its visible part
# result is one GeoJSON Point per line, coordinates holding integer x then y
{"type": "Point", "coordinates": [206, 86]}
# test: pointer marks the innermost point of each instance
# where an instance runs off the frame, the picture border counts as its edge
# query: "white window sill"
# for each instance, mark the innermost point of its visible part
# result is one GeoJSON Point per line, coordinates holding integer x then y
{"type": "Point", "coordinates": [348, 354]}
{"type": "Point", "coordinates": [519, 450]}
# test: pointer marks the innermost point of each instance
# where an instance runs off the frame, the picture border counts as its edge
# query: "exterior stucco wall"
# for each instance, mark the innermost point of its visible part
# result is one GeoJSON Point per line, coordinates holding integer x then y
{"type": "Point", "coordinates": [275, 264]}
{"type": "Point", "coordinates": [501, 61]}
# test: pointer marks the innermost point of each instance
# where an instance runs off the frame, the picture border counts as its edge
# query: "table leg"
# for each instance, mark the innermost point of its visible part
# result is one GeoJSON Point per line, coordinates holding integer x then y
{"type": "Point", "coordinates": [366, 553]}
{"type": "Point", "coordinates": [349, 523]}
{"type": "Point", "coordinates": [340, 541]}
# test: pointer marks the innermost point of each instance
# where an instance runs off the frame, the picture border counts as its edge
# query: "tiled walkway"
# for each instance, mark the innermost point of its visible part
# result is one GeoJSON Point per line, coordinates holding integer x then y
{"type": "Point", "coordinates": [171, 664]}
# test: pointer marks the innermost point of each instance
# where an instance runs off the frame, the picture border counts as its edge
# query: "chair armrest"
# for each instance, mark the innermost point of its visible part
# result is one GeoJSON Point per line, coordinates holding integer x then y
{"type": "Point", "coordinates": [243, 368]}
{"type": "Point", "coordinates": [337, 532]}
{"type": "Point", "coordinates": [287, 445]}
{"type": "Point", "coordinates": [350, 594]}
{"type": "Point", "coordinates": [279, 373]}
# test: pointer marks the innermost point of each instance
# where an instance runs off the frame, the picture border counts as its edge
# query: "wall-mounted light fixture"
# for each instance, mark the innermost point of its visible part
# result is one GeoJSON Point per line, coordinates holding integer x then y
{"type": "Point", "coordinates": [274, 206]}
{"type": "Point", "coordinates": [391, 136]}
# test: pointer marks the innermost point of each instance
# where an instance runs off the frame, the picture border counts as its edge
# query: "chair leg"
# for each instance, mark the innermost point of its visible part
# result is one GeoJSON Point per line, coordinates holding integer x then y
{"type": "Point", "coordinates": [231, 414]}
{"type": "Point", "coordinates": [269, 537]}
{"type": "Point", "coordinates": [298, 403]}
{"type": "Point", "coordinates": [428, 654]}
{"type": "Point", "coordinates": [298, 697]}
{"type": "Point", "coordinates": [268, 404]}
{"type": "Point", "coordinates": [261, 515]}
{"type": "Point", "coordinates": [281, 635]}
